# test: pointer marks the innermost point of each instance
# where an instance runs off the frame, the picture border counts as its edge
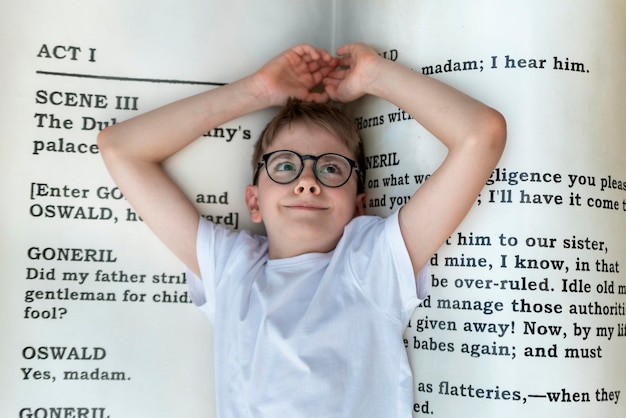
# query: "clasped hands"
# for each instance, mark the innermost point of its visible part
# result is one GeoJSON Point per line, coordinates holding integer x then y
{"type": "Point", "coordinates": [312, 74]}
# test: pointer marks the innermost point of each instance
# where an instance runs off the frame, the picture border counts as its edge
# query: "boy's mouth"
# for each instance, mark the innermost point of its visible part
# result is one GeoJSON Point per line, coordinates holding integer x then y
{"type": "Point", "coordinates": [305, 206]}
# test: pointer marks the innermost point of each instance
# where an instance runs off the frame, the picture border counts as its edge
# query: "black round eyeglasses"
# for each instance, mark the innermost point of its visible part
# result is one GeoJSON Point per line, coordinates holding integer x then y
{"type": "Point", "coordinates": [284, 167]}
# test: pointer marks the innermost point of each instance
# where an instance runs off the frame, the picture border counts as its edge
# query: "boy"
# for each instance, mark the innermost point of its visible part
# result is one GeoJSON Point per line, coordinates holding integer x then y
{"type": "Point", "coordinates": [309, 320]}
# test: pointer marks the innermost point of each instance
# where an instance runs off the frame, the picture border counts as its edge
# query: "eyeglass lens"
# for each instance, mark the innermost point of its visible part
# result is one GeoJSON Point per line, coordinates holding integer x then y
{"type": "Point", "coordinates": [331, 170]}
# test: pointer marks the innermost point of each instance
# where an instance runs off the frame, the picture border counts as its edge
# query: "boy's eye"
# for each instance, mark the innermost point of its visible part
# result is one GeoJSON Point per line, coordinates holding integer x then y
{"type": "Point", "coordinates": [329, 169]}
{"type": "Point", "coordinates": [332, 165]}
{"type": "Point", "coordinates": [284, 163]}
{"type": "Point", "coordinates": [285, 166]}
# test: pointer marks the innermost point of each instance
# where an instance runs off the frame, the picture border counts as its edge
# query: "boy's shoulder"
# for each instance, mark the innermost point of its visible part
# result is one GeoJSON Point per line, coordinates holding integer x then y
{"type": "Point", "coordinates": [219, 237]}
{"type": "Point", "coordinates": [363, 223]}
{"type": "Point", "coordinates": [364, 232]}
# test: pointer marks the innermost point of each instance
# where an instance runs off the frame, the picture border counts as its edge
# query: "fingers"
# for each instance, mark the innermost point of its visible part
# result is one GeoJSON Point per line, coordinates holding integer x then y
{"type": "Point", "coordinates": [342, 76]}
{"type": "Point", "coordinates": [312, 74]}
{"type": "Point", "coordinates": [310, 53]}
{"type": "Point", "coordinates": [344, 49]}
{"type": "Point", "coordinates": [350, 49]}
{"type": "Point", "coordinates": [317, 61]}
{"type": "Point", "coordinates": [350, 54]}
{"type": "Point", "coordinates": [317, 97]}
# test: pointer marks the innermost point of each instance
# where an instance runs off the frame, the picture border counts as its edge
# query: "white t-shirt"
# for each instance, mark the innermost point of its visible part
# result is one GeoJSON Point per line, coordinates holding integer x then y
{"type": "Point", "coordinates": [317, 335]}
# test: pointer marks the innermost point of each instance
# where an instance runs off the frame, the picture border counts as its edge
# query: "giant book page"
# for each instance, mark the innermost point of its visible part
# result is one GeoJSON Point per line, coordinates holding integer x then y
{"type": "Point", "coordinates": [527, 314]}
{"type": "Point", "coordinates": [96, 318]}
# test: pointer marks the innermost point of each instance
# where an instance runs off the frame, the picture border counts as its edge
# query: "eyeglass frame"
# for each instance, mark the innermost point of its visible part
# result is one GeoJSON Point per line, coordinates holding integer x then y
{"type": "Point", "coordinates": [265, 158]}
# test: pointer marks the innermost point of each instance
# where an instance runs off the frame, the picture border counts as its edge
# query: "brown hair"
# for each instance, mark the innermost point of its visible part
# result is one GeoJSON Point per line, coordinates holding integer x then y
{"type": "Point", "coordinates": [326, 116]}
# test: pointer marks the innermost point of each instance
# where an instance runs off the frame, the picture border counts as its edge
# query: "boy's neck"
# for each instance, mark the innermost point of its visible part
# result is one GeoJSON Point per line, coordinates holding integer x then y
{"type": "Point", "coordinates": [289, 249]}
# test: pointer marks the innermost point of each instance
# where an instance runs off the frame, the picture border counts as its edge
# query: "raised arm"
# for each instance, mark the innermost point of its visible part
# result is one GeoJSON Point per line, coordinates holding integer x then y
{"type": "Point", "coordinates": [474, 134]}
{"type": "Point", "coordinates": [133, 151]}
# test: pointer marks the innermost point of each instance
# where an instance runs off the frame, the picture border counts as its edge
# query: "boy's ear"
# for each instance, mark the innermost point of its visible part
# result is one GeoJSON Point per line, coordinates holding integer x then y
{"type": "Point", "coordinates": [252, 202]}
{"type": "Point", "coordinates": [359, 208]}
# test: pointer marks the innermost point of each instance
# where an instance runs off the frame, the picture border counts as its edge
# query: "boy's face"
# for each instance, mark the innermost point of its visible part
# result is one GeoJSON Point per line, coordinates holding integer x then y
{"type": "Point", "coordinates": [304, 216]}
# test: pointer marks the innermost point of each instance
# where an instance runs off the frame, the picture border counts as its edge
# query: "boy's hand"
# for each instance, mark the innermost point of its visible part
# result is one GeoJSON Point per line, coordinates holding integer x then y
{"type": "Point", "coordinates": [356, 70]}
{"type": "Point", "coordinates": [295, 73]}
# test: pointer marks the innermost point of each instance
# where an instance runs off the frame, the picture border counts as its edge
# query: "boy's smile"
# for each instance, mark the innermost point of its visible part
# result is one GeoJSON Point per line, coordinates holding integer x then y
{"type": "Point", "coordinates": [304, 216]}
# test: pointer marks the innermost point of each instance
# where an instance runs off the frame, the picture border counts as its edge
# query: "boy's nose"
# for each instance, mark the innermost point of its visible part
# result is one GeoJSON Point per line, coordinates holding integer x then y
{"type": "Point", "coordinates": [307, 183]}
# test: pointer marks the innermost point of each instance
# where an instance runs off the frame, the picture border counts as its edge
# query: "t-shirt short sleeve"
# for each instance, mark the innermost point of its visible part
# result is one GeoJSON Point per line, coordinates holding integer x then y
{"type": "Point", "coordinates": [219, 249]}
{"type": "Point", "coordinates": [379, 260]}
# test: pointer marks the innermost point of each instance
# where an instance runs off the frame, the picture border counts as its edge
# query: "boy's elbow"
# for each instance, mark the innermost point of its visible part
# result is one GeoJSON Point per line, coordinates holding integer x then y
{"type": "Point", "coordinates": [499, 129]}
{"type": "Point", "coordinates": [103, 138]}
{"type": "Point", "coordinates": [493, 132]}
{"type": "Point", "coordinates": [106, 142]}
